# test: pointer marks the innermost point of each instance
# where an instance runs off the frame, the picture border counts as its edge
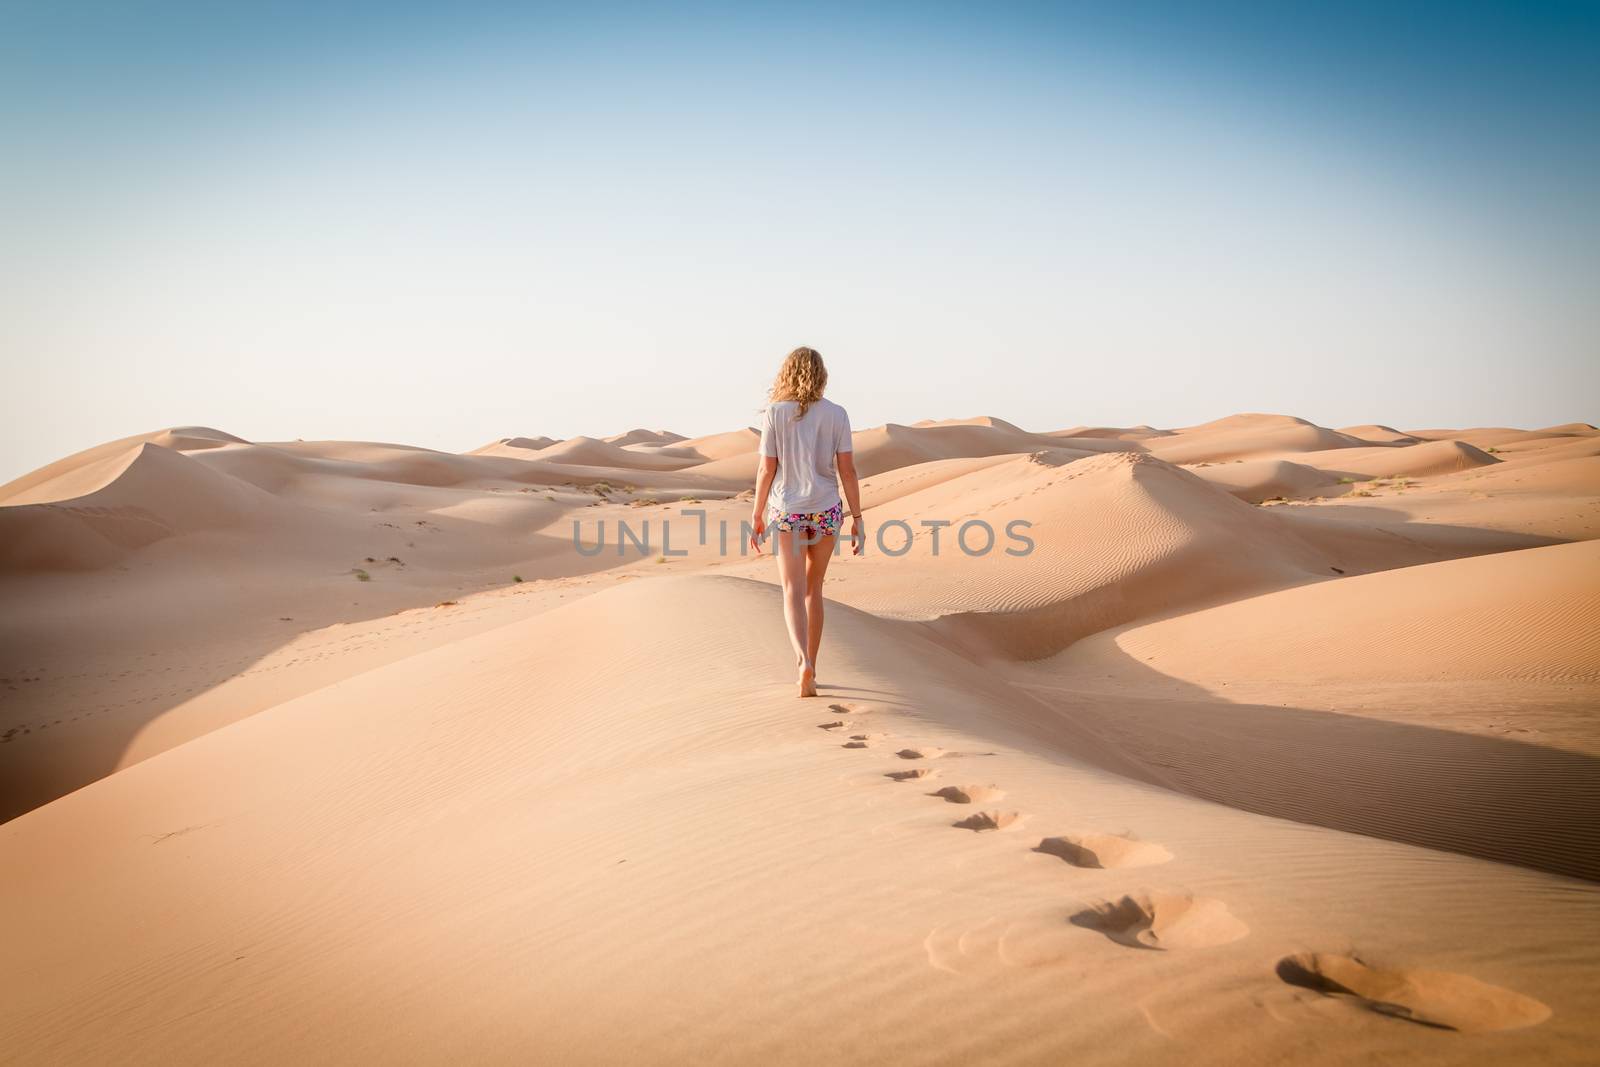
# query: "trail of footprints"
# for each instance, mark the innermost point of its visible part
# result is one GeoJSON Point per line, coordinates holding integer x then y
{"type": "Point", "coordinates": [1176, 920]}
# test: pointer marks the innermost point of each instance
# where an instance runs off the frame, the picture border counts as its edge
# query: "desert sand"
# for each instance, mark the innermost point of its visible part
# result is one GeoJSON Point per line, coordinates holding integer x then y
{"type": "Point", "coordinates": [1281, 745]}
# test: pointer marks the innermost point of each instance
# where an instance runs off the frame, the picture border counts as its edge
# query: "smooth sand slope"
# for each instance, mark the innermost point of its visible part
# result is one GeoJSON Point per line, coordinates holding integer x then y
{"type": "Point", "coordinates": [296, 769]}
{"type": "Point", "coordinates": [1450, 705]}
{"type": "Point", "coordinates": [1515, 615]}
{"type": "Point", "coordinates": [531, 843]}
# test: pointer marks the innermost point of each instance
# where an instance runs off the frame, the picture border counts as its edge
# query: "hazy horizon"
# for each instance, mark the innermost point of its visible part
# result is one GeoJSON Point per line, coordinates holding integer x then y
{"type": "Point", "coordinates": [439, 228]}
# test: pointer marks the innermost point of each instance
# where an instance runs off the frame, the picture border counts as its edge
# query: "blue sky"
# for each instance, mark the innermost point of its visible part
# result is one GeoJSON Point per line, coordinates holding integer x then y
{"type": "Point", "coordinates": [442, 224]}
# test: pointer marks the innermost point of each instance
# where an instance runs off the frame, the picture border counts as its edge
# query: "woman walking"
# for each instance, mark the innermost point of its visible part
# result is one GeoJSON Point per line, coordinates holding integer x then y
{"type": "Point", "coordinates": [805, 457]}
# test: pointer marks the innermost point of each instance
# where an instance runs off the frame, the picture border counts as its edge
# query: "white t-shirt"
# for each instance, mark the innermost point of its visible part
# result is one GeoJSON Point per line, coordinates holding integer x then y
{"type": "Point", "coordinates": [806, 482]}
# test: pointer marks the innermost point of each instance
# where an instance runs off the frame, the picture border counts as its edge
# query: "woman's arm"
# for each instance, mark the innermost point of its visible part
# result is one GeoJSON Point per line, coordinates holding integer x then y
{"type": "Point", "coordinates": [846, 465]}
{"type": "Point", "coordinates": [758, 515]}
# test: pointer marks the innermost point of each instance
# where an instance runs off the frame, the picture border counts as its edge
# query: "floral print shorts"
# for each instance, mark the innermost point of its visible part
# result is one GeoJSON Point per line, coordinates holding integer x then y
{"type": "Point", "coordinates": [819, 523]}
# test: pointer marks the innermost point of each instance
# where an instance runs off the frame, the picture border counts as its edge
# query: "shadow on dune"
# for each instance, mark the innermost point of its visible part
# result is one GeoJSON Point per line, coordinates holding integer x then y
{"type": "Point", "coordinates": [74, 720]}
{"type": "Point", "coordinates": [1348, 548]}
{"type": "Point", "coordinates": [144, 575]}
{"type": "Point", "coordinates": [65, 730]}
{"type": "Point", "coordinates": [1481, 796]}
{"type": "Point", "coordinates": [1353, 524]}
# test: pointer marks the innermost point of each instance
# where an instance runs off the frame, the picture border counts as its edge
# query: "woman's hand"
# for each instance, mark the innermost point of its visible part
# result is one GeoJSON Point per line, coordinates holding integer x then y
{"type": "Point", "coordinates": [851, 484]}
{"type": "Point", "coordinates": [758, 530]}
{"type": "Point", "coordinates": [758, 505]}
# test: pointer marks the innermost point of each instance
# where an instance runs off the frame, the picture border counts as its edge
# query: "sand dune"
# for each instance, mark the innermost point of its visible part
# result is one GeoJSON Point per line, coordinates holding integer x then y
{"type": "Point", "coordinates": [723, 445]}
{"type": "Point", "coordinates": [1247, 437]}
{"type": "Point", "coordinates": [454, 825]}
{"type": "Point", "coordinates": [145, 494]}
{"type": "Point", "coordinates": [1420, 460]}
{"type": "Point", "coordinates": [1577, 476]}
{"type": "Point", "coordinates": [977, 420]}
{"type": "Point", "coordinates": [1115, 537]}
{"type": "Point", "coordinates": [1115, 433]}
{"type": "Point", "coordinates": [892, 447]}
{"type": "Point", "coordinates": [1546, 451]}
{"type": "Point", "coordinates": [1379, 434]}
{"type": "Point", "coordinates": [579, 461]}
{"type": "Point", "coordinates": [382, 462]}
{"type": "Point", "coordinates": [723, 456]}
{"type": "Point", "coordinates": [338, 751]}
{"type": "Point", "coordinates": [1256, 480]}
{"type": "Point", "coordinates": [645, 437]}
{"type": "Point", "coordinates": [84, 472]}
{"type": "Point", "coordinates": [514, 447]}
{"type": "Point", "coordinates": [1511, 615]}
{"type": "Point", "coordinates": [1499, 436]}
{"type": "Point", "coordinates": [308, 534]}
{"type": "Point", "coordinates": [1431, 685]}
{"type": "Point", "coordinates": [593, 452]}
{"type": "Point", "coordinates": [890, 486]}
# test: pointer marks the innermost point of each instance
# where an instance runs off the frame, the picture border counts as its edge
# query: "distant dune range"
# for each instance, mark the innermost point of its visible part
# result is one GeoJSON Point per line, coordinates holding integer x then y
{"type": "Point", "coordinates": [1280, 744]}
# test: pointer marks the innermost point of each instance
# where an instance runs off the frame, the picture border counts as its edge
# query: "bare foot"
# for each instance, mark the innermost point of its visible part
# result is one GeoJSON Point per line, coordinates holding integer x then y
{"type": "Point", "coordinates": [808, 682]}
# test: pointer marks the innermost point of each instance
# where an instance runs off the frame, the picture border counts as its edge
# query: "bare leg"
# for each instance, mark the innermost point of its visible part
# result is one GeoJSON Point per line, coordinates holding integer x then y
{"type": "Point", "coordinates": [817, 557]}
{"type": "Point", "coordinates": [792, 572]}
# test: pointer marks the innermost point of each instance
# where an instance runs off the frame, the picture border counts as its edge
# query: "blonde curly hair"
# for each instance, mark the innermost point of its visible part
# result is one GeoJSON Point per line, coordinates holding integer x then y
{"type": "Point", "coordinates": [802, 378]}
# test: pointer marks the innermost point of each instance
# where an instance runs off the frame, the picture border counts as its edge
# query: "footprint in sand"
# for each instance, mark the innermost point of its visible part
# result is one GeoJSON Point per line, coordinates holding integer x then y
{"type": "Point", "coordinates": [849, 709]}
{"type": "Point", "coordinates": [992, 820]}
{"type": "Point", "coordinates": [991, 945]}
{"type": "Point", "coordinates": [1104, 850]}
{"type": "Point", "coordinates": [855, 744]}
{"type": "Point", "coordinates": [1432, 998]}
{"type": "Point", "coordinates": [830, 725]}
{"type": "Point", "coordinates": [911, 775]}
{"type": "Point", "coordinates": [969, 794]}
{"type": "Point", "coordinates": [926, 752]}
{"type": "Point", "coordinates": [1163, 920]}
